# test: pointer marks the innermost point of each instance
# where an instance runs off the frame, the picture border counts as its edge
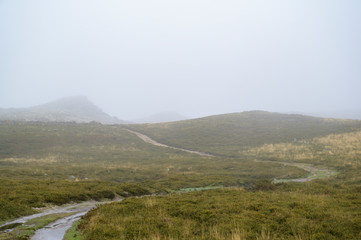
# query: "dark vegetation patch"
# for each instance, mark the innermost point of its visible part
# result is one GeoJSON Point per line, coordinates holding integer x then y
{"type": "Point", "coordinates": [19, 197]}
{"type": "Point", "coordinates": [226, 214]}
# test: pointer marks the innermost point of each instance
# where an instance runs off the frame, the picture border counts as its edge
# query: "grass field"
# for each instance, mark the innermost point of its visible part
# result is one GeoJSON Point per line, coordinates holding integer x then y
{"type": "Point", "coordinates": [229, 196]}
{"type": "Point", "coordinates": [42, 163]}
{"type": "Point", "coordinates": [328, 208]}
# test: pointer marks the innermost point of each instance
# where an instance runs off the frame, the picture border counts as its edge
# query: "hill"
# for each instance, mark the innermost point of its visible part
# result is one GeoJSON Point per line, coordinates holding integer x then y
{"type": "Point", "coordinates": [71, 109]}
{"type": "Point", "coordinates": [228, 134]}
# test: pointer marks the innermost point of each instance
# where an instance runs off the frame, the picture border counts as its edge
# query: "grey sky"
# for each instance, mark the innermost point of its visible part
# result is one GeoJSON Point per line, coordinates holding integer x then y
{"type": "Point", "coordinates": [196, 57]}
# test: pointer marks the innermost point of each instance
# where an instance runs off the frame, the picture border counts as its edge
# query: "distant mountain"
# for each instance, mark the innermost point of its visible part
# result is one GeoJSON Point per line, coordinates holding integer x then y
{"type": "Point", "coordinates": [348, 114]}
{"type": "Point", "coordinates": [71, 109]}
{"type": "Point", "coordinates": [231, 133]}
{"type": "Point", "coordinates": [167, 116]}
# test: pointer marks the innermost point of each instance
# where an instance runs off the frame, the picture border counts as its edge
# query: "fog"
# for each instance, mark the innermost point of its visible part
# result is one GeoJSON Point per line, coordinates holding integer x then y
{"type": "Point", "coordinates": [195, 57]}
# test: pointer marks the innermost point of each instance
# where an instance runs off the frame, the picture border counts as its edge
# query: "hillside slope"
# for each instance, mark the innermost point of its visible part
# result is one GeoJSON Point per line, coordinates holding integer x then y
{"type": "Point", "coordinates": [229, 134]}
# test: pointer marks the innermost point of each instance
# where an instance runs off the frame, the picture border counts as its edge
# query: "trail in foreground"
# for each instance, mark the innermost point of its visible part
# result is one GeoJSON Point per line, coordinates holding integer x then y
{"type": "Point", "coordinates": [67, 208]}
{"type": "Point", "coordinates": [57, 229]}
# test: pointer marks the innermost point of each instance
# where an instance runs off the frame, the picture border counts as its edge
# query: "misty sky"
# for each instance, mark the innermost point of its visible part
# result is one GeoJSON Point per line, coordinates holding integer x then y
{"type": "Point", "coordinates": [196, 57]}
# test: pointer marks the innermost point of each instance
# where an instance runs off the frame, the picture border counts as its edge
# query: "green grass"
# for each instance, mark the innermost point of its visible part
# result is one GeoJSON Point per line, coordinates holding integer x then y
{"type": "Point", "coordinates": [55, 163]}
{"type": "Point", "coordinates": [328, 208]}
{"type": "Point", "coordinates": [73, 233]}
{"type": "Point", "coordinates": [227, 214]}
{"type": "Point", "coordinates": [20, 197]}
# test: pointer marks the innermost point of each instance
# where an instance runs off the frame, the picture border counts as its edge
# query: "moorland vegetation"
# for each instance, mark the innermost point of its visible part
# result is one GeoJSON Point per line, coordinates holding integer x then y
{"type": "Point", "coordinates": [57, 163]}
{"type": "Point", "coordinates": [320, 209]}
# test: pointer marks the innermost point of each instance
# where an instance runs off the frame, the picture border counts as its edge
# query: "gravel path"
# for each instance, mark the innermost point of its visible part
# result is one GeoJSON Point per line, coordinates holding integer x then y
{"type": "Point", "coordinates": [314, 172]}
{"type": "Point", "coordinates": [155, 143]}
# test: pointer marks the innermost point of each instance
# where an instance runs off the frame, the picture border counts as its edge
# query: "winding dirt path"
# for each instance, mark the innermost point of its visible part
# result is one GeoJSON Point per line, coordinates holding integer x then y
{"type": "Point", "coordinates": [147, 139]}
{"type": "Point", "coordinates": [67, 208]}
{"type": "Point", "coordinates": [56, 230]}
{"type": "Point", "coordinates": [314, 172]}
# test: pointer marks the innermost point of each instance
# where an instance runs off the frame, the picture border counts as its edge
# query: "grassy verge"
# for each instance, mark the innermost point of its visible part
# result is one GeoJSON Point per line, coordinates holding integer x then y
{"type": "Point", "coordinates": [73, 233]}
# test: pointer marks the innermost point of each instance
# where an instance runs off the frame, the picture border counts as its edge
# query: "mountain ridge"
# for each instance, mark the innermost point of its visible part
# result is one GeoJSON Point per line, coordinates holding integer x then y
{"type": "Point", "coordinates": [69, 109]}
